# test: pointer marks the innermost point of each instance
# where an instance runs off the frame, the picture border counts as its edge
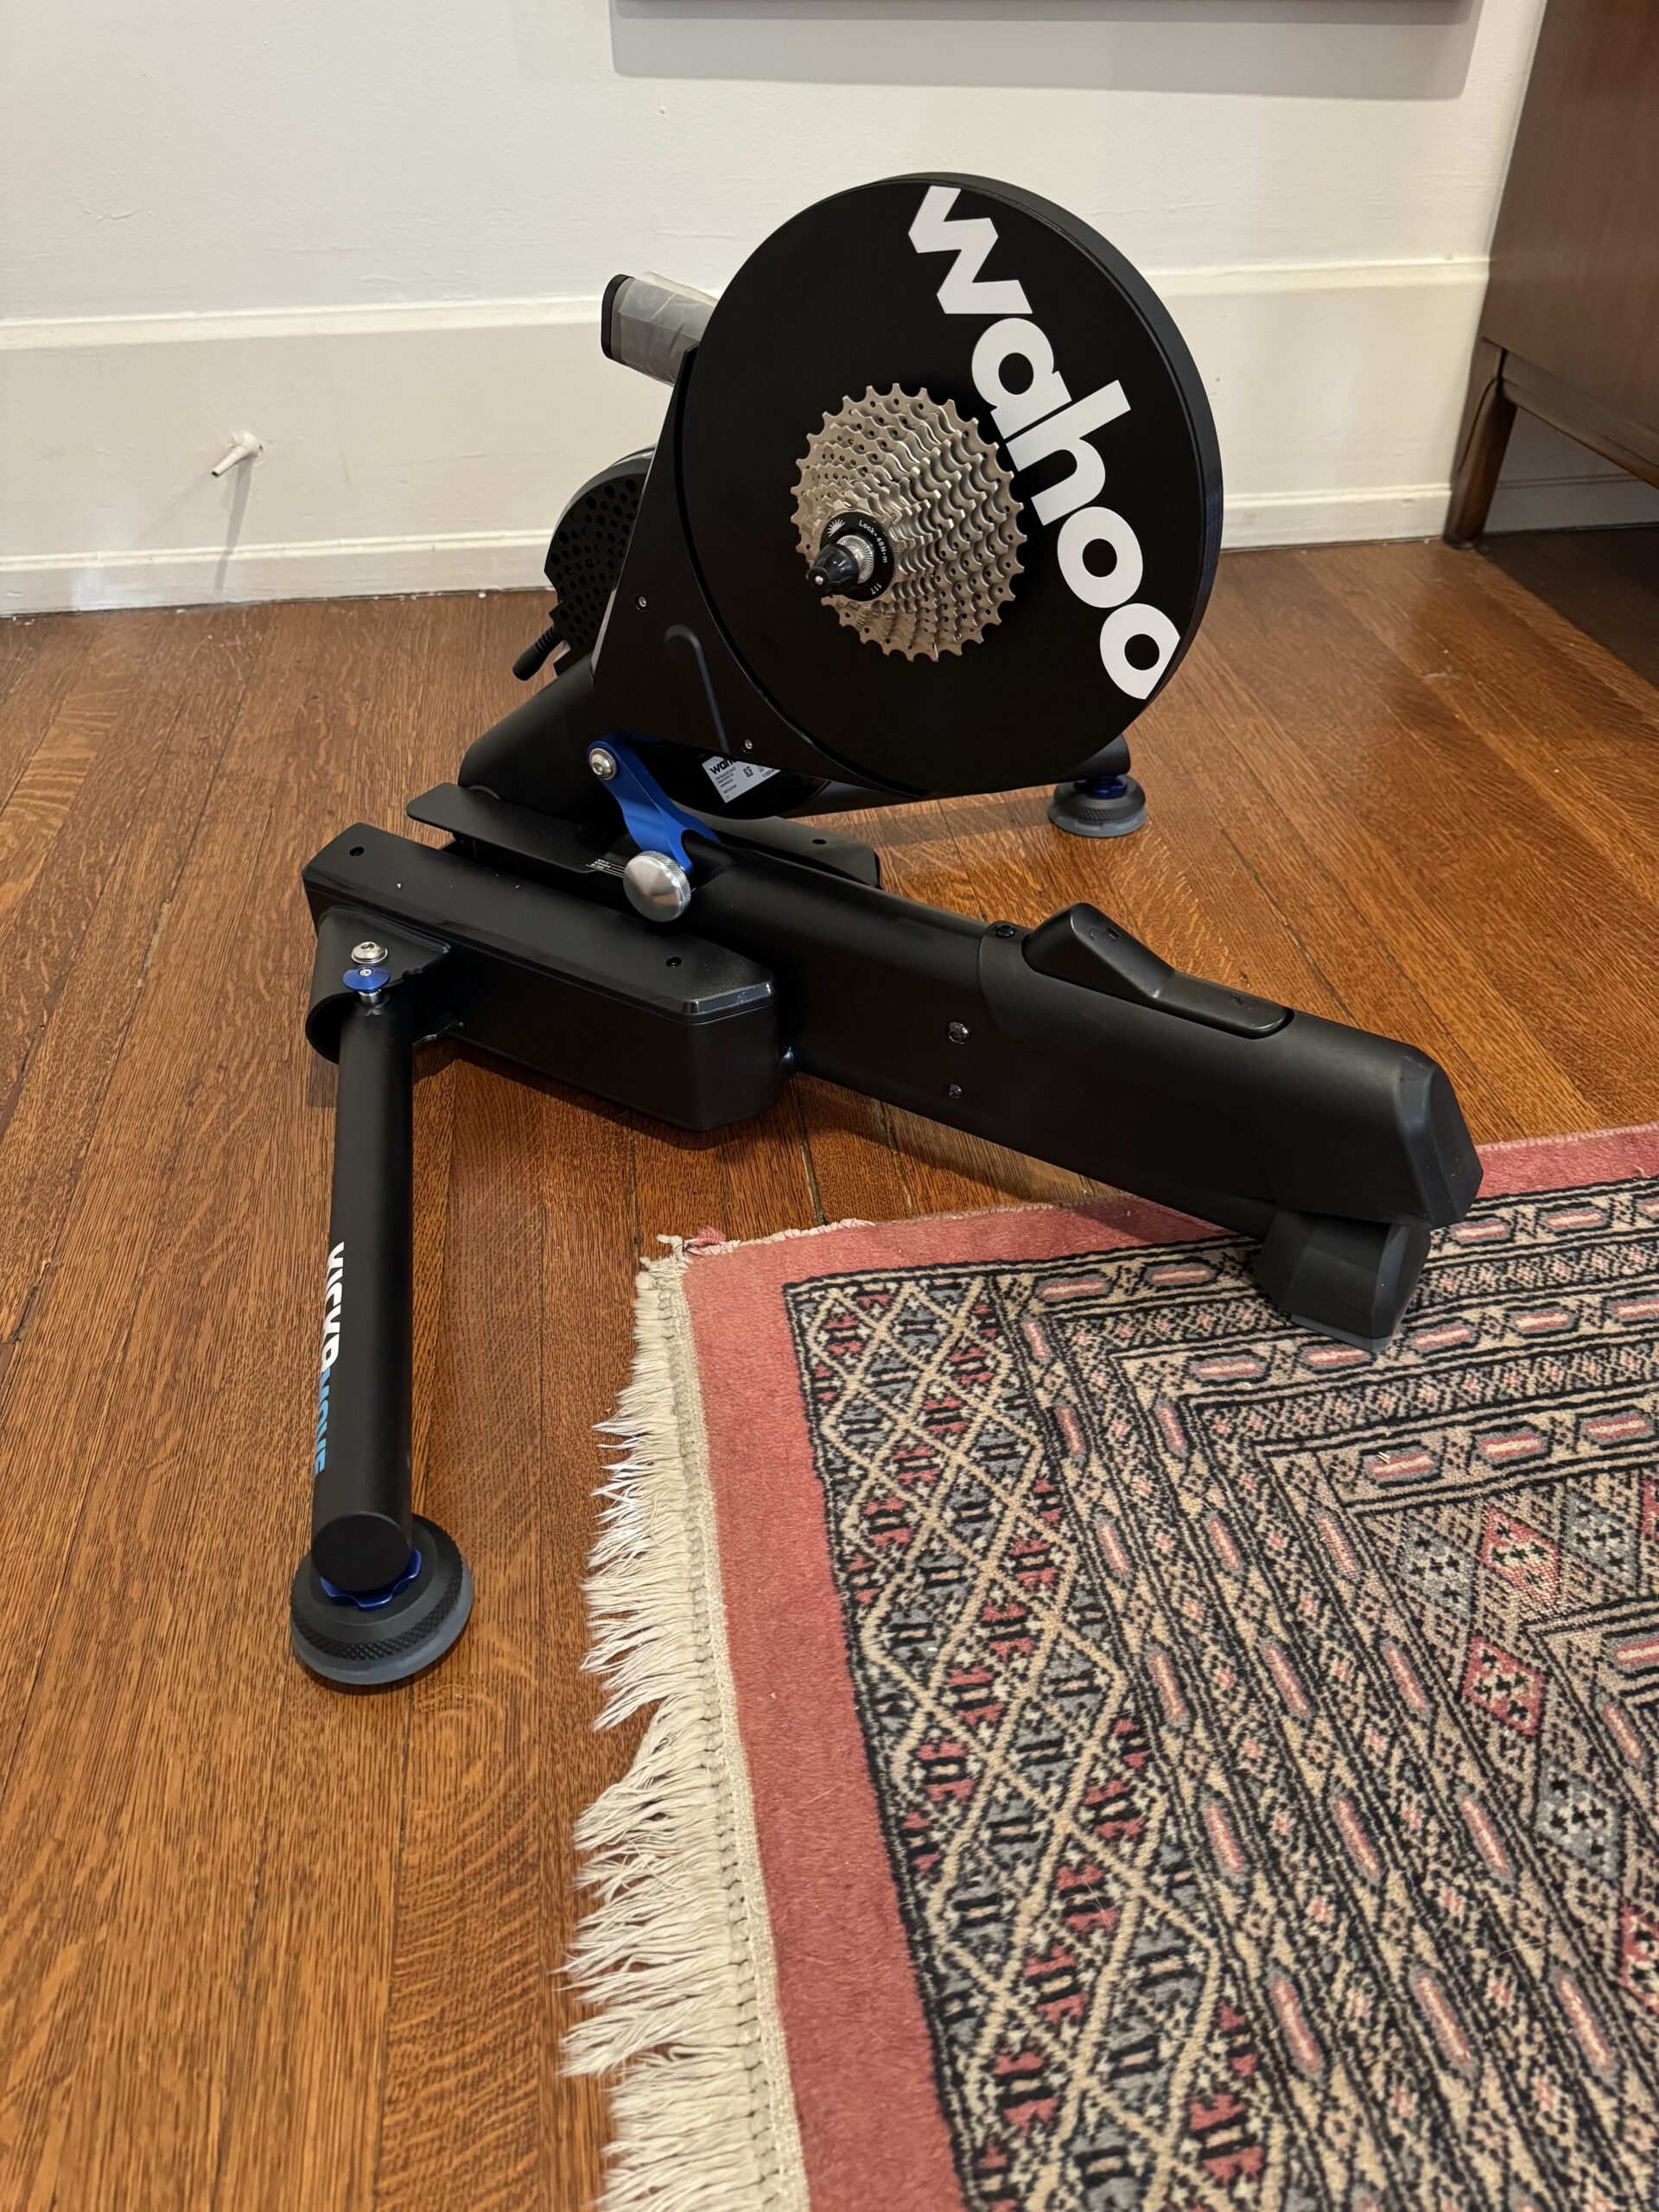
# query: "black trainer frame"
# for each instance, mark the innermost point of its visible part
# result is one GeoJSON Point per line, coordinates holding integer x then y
{"type": "Point", "coordinates": [1340, 1152]}
{"type": "Point", "coordinates": [1337, 1153]}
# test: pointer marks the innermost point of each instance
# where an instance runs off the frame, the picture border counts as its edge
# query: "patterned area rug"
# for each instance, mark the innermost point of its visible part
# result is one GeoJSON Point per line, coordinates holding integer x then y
{"type": "Point", "coordinates": [1109, 1748]}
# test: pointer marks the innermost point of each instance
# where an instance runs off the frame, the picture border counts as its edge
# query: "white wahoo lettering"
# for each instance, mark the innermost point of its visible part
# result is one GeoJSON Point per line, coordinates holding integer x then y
{"type": "Point", "coordinates": [1038, 419]}
{"type": "Point", "coordinates": [1013, 339]}
{"type": "Point", "coordinates": [333, 1297]}
{"type": "Point", "coordinates": [1091, 526]}
{"type": "Point", "coordinates": [1069, 432]}
{"type": "Point", "coordinates": [1136, 621]}
{"type": "Point", "coordinates": [935, 230]}
{"type": "Point", "coordinates": [333, 1292]}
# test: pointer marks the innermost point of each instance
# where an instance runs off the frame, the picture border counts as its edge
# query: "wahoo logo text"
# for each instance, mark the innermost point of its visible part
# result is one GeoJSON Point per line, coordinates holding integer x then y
{"type": "Point", "coordinates": [333, 1292]}
{"type": "Point", "coordinates": [1040, 420]}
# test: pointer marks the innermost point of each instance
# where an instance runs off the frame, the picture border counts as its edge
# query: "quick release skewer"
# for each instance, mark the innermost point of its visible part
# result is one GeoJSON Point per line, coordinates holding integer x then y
{"type": "Point", "coordinates": [843, 563]}
{"type": "Point", "coordinates": [854, 558]}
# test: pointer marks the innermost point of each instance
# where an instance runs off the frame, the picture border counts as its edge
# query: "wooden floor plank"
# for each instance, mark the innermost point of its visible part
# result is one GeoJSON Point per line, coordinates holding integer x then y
{"type": "Point", "coordinates": [1443, 865]}
{"type": "Point", "coordinates": [69, 813]}
{"type": "Point", "coordinates": [330, 2053]}
{"type": "Point", "coordinates": [471, 1998]}
{"type": "Point", "coordinates": [858, 1174]}
{"type": "Point", "coordinates": [588, 1265]}
{"type": "Point", "coordinates": [106, 930]}
{"type": "Point", "coordinates": [263, 1946]}
{"type": "Point", "coordinates": [1343, 953]}
{"type": "Point", "coordinates": [1536, 872]}
{"type": "Point", "coordinates": [1591, 594]}
{"type": "Point", "coordinates": [1586, 756]}
{"type": "Point", "coordinates": [134, 1747]}
{"type": "Point", "coordinates": [25, 641]}
{"type": "Point", "coordinates": [42, 660]}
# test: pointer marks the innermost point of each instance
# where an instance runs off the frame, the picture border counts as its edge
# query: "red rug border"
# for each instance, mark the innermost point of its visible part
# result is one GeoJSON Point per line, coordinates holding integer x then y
{"type": "Point", "coordinates": [861, 2059]}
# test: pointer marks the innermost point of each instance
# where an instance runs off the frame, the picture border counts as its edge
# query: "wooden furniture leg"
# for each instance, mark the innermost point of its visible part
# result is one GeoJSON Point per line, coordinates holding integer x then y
{"type": "Point", "coordinates": [1488, 418]}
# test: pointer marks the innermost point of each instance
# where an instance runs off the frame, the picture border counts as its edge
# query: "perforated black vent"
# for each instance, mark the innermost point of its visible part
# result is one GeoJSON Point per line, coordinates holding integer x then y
{"type": "Point", "coordinates": [585, 558]}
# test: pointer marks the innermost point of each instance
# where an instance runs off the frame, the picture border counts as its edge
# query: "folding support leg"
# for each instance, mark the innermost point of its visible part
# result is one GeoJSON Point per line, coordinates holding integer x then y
{"type": "Point", "coordinates": [382, 1592]}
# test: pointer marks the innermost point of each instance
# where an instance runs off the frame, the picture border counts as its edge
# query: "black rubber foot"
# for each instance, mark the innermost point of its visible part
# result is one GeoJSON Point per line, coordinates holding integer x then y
{"type": "Point", "coordinates": [1098, 806]}
{"type": "Point", "coordinates": [1350, 1280]}
{"type": "Point", "coordinates": [366, 1645]}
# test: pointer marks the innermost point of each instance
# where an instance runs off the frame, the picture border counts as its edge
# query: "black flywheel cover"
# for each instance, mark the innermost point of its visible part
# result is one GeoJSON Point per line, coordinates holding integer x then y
{"type": "Point", "coordinates": [840, 300]}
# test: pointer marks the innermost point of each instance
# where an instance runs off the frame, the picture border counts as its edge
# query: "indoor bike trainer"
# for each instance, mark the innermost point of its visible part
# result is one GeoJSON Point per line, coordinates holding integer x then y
{"type": "Point", "coordinates": [935, 509]}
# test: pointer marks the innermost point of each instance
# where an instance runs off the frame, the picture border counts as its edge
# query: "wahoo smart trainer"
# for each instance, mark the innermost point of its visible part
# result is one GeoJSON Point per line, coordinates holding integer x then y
{"type": "Point", "coordinates": [935, 509]}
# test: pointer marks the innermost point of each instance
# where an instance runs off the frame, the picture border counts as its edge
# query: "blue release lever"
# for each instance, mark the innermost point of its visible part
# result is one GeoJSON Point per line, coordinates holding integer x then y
{"type": "Point", "coordinates": [653, 821]}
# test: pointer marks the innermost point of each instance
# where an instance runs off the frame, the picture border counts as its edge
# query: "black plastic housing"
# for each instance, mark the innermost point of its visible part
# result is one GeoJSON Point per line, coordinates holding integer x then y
{"type": "Point", "coordinates": [680, 1027]}
{"type": "Point", "coordinates": [1339, 1150]}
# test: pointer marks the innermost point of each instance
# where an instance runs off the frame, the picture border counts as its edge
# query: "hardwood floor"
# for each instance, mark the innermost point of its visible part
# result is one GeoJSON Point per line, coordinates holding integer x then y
{"type": "Point", "coordinates": [264, 1945]}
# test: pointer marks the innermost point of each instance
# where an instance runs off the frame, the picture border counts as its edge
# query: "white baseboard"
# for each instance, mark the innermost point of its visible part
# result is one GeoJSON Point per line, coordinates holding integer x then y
{"type": "Point", "coordinates": [431, 448]}
{"type": "Point", "coordinates": [336, 567]}
{"type": "Point", "coordinates": [1589, 501]}
{"type": "Point", "coordinates": [485, 561]}
{"type": "Point", "coordinates": [404, 449]}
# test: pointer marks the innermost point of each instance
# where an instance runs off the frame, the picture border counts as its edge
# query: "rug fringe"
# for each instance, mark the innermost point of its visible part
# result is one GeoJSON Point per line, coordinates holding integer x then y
{"type": "Point", "coordinates": [673, 1965]}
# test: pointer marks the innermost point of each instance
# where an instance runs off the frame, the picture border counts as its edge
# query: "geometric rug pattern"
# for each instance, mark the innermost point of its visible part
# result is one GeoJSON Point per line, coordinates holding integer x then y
{"type": "Point", "coordinates": [1264, 1731]}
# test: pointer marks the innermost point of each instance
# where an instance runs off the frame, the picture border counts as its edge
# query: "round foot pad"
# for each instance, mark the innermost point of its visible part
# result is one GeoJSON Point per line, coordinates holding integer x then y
{"type": "Point", "coordinates": [366, 1642]}
{"type": "Point", "coordinates": [1113, 812]}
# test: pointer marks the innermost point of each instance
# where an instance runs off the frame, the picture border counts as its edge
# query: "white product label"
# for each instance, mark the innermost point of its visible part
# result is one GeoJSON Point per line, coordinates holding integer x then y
{"type": "Point", "coordinates": [731, 779]}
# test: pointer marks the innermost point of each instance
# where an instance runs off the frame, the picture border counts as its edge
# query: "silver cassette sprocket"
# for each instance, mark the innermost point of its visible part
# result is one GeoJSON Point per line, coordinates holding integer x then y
{"type": "Point", "coordinates": [936, 486]}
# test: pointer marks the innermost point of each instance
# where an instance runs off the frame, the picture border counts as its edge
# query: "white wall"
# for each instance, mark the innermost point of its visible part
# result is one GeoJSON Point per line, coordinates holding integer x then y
{"type": "Point", "coordinates": [375, 234]}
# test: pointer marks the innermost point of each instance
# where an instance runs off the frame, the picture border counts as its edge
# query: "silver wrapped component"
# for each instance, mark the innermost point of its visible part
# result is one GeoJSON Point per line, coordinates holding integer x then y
{"type": "Point", "coordinates": [946, 503]}
{"type": "Point", "coordinates": [649, 324]}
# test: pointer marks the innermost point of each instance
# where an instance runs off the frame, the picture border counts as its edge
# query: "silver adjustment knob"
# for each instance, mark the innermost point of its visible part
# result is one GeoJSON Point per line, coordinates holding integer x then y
{"type": "Point", "coordinates": [657, 886]}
